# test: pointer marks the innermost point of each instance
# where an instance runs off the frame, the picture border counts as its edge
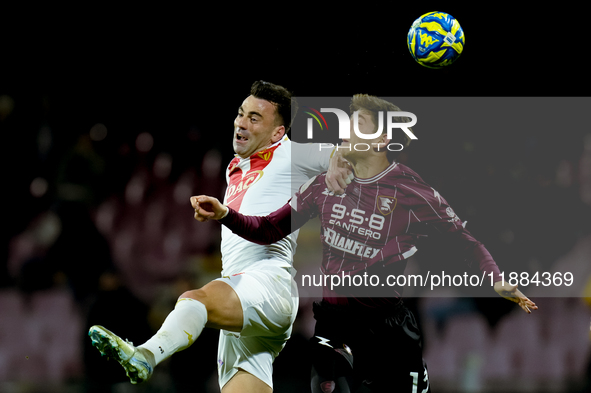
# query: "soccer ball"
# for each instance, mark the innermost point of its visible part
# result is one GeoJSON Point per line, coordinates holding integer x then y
{"type": "Point", "coordinates": [435, 40]}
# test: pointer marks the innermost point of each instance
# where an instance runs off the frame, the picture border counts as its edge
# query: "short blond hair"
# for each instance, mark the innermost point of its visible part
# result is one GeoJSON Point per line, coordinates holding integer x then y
{"type": "Point", "coordinates": [373, 105]}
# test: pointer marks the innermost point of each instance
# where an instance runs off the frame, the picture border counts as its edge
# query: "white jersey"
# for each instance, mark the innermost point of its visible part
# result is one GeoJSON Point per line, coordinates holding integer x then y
{"type": "Point", "coordinates": [259, 185]}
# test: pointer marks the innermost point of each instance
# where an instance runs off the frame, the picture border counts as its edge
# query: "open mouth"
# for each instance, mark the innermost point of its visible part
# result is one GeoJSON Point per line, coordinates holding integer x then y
{"type": "Point", "coordinates": [241, 137]}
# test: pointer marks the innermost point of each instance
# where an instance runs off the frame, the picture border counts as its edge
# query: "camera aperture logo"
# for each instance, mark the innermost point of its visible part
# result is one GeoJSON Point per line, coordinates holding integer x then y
{"type": "Point", "coordinates": [344, 123]}
{"type": "Point", "coordinates": [315, 116]}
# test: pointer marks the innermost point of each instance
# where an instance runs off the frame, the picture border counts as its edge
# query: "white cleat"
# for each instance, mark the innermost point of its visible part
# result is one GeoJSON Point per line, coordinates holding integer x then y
{"type": "Point", "coordinates": [137, 362]}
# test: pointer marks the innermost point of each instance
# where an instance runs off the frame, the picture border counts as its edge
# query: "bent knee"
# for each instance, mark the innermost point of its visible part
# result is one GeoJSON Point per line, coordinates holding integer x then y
{"type": "Point", "coordinates": [214, 294]}
{"type": "Point", "coordinates": [196, 294]}
{"type": "Point", "coordinates": [224, 309]}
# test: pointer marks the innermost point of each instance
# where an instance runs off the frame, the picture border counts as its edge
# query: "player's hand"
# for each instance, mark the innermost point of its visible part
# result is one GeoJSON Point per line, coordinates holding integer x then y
{"type": "Point", "coordinates": [339, 174]}
{"type": "Point", "coordinates": [207, 208]}
{"type": "Point", "coordinates": [510, 292]}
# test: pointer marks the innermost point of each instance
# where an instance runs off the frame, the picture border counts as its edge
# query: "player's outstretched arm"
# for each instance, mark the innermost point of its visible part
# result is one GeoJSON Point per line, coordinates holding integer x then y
{"type": "Point", "coordinates": [257, 229]}
{"type": "Point", "coordinates": [510, 292]}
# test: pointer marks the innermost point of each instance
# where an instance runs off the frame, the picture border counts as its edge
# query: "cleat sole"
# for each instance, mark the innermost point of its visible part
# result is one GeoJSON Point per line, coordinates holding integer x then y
{"type": "Point", "coordinates": [109, 347]}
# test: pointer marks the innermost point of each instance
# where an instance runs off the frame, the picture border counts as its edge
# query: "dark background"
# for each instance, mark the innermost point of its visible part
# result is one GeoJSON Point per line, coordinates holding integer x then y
{"type": "Point", "coordinates": [180, 75]}
{"type": "Point", "coordinates": [173, 72]}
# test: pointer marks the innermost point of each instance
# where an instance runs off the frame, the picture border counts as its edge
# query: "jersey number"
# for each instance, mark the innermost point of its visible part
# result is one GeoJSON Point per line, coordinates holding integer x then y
{"type": "Point", "coordinates": [357, 216]}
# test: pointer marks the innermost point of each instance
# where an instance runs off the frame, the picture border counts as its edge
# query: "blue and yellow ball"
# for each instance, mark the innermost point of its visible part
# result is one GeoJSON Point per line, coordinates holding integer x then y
{"type": "Point", "coordinates": [436, 40]}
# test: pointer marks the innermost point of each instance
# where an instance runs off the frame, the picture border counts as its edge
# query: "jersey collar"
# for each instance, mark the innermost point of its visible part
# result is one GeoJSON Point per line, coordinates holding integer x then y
{"type": "Point", "coordinates": [378, 176]}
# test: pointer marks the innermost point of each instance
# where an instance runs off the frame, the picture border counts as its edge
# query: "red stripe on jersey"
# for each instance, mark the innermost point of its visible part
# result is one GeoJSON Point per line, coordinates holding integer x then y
{"type": "Point", "coordinates": [239, 183]}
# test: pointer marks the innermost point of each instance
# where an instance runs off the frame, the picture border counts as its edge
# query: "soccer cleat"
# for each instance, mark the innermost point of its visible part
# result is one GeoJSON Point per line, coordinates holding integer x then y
{"type": "Point", "coordinates": [137, 362]}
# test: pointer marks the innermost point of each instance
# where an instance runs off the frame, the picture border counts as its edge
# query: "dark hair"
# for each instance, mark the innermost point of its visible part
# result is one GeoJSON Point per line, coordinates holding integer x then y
{"type": "Point", "coordinates": [280, 97]}
{"type": "Point", "coordinates": [372, 104]}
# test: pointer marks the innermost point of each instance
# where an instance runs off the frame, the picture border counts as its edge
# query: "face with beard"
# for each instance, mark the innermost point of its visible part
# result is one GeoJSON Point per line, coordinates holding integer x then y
{"type": "Point", "coordinates": [256, 127]}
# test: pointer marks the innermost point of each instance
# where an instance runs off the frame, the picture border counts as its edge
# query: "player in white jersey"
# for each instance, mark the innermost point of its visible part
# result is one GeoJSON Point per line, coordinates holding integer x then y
{"type": "Point", "coordinates": [256, 185]}
{"type": "Point", "coordinates": [255, 301]}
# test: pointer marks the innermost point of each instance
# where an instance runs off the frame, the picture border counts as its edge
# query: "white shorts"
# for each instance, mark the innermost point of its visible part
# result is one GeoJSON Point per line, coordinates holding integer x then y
{"type": "Point", "coordinates": [269, 303]}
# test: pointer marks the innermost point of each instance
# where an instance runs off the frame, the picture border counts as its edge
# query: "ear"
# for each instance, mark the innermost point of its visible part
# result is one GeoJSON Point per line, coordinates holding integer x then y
{"type": "Point", "coordinates": [381, 143]}
{"type": "Point", "coordinates": [278, 133]}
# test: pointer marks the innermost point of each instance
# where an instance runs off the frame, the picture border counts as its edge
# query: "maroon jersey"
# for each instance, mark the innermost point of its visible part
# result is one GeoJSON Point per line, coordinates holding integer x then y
{"type": "Point", "coordinates": [375, 224]}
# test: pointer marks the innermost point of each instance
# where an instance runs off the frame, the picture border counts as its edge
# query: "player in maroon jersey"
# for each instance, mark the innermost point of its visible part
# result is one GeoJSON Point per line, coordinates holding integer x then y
{"type": "Point", "coordinates": [370, 229]}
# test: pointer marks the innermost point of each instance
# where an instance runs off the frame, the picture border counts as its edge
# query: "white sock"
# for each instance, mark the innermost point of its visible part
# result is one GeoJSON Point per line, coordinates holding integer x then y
{"type": "Point", "coordinates": [180, 329]}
